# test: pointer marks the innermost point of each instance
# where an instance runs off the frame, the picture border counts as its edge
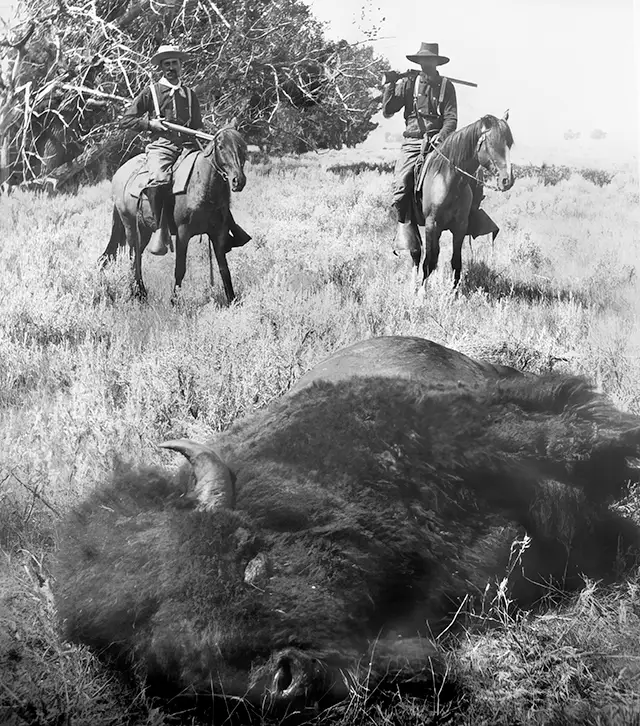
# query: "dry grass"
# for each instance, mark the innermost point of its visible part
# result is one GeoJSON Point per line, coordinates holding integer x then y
{"type": "Point", "coordinates": [88, 375]}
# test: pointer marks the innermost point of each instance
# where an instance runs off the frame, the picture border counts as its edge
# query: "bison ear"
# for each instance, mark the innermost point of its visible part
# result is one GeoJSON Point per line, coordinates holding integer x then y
{"type": "Point", "coordinates": [214, 480]}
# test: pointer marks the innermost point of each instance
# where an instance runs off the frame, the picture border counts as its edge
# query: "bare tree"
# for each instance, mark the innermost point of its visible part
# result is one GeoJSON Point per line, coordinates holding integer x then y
{"type": "Point", "coordinates": [70, 66]}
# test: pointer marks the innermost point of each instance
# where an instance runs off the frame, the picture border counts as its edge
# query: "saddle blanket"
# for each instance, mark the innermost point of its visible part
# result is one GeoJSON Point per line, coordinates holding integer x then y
{"type": "Point", "coordinates": [181, 174]}
{"type": "Point", "coordinates": [481, 223]}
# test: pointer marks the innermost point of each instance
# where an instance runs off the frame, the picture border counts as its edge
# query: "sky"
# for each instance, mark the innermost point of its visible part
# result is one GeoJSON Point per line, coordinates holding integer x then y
{"type": "Point", "coordinates": [555, 64]}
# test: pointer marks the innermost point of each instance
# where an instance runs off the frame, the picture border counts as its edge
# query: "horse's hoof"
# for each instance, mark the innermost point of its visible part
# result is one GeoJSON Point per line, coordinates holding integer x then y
{"type": "Point", "coordinates": [140, 293]}
{"type": "Point", "coordinates": [104, 260]}
{"type": "Point", "coordinates": [419, 297]}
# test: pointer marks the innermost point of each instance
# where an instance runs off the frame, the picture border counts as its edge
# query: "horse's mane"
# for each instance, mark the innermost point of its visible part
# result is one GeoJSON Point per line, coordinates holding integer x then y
{"type": "Point", "coordinates": [237, 136]}
{"type": "Point", "coordinates": [231, 135]}
{"type": "Point", "coordinates": [460, 146]}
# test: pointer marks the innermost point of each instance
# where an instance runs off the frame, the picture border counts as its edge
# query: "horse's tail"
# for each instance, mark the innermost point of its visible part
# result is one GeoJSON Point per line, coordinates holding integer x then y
{"type": "Point", "coordinates": [139, 222]}
{"type": "Point", "coordinates": [118, 238]}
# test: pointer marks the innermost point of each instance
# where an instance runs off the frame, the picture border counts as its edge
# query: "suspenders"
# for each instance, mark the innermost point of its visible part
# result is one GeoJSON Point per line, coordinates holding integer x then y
{"type": "Point", "coordinates": [416, 85]}
{"type": "Point", "coordinates": [156, 102]}
{"type": "Point", "coordinates": [189, 101]}
{"type": "Point", "coordinates": [443, 87]}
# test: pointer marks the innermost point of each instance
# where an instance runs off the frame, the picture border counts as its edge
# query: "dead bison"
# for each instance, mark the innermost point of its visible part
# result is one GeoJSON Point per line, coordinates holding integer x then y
{"type": "Point", "coordinates": [415, 359]}
{"type": "Point", "coordinates": [326, 535]}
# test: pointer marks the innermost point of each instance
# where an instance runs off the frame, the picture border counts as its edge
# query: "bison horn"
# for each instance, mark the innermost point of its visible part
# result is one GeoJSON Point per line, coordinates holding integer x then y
{"type": "Point", "coordinates": [214, 480]}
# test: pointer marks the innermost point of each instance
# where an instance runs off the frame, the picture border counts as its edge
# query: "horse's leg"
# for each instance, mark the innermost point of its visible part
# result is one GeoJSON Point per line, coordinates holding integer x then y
{"type": "Point", "coordinates": [416, 255]}
{"type": "Point", "coordinates": [456, 257]}
{"type": "Point", "coordinates": [219, 236]}
{"type": "Point", "coordinates": [432, 248]}
{"type": "Point", "coordinates": [182, 245]}
{"type": "Point", "coordinates": [137, 236]}
{"type": "Point", "coordinates": [459, 231]}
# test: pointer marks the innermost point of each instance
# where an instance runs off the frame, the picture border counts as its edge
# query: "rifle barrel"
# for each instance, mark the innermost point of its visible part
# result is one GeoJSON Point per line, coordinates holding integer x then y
{"type": "Point", "coordinates": [412, 73]}
{"type": "Point", "coordinates": [464, 83]}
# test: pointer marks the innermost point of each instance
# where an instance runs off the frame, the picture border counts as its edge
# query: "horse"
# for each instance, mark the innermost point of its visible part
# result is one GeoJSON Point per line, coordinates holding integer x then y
{"type": "Point", "coordinates": [202, 209]}
{"type": "Point", "coordinates": [451, 188]}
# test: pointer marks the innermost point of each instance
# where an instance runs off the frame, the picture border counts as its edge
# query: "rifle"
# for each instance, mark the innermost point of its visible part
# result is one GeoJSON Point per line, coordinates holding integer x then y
{"type": "Point", "coordinates": [393, 76]}
{"type": "Point", "coordinates": [186, 130]}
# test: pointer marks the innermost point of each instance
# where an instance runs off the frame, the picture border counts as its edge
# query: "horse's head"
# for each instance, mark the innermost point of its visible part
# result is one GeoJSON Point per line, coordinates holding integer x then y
{"type": "Point", "coordinates": [229, 152]}
{"type": "Point", "coordinates": [494, 149]}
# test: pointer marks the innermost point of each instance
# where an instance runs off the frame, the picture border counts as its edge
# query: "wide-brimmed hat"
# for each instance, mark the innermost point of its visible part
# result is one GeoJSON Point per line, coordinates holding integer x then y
{"type": "Point", "coordinates": [429, 51]}
{"type": "Point", "coordinates": [169, 51]}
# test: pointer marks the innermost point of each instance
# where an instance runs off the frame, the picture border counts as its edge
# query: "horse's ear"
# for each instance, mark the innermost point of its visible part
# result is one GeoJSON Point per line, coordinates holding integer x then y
{"type": "Point", "coordinates": [505, 115]}
{"type": "Point", "coordinates": [234, 123]}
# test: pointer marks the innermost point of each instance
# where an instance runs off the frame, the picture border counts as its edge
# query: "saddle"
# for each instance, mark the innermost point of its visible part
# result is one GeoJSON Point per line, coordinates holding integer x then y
{"type": "Point", "coordinates": [180, 173]}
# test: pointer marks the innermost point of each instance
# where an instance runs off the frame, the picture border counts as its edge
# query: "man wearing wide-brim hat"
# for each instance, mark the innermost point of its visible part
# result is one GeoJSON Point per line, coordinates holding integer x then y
{"type": "Point", "coordinates": [431, 114]}
{"type": "Point", "coordinates": [167, 100]}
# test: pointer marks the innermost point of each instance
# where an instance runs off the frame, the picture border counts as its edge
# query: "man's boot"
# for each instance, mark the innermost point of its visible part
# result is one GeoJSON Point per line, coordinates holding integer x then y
{"type": "Point", "coordinates": [407, 237]}
{"type": "Point", "coordinates": [407, 234]}
{"type": "Point", "coordinates": [161, 239]}
{"type": "Point", "coordinates": [237, 236]}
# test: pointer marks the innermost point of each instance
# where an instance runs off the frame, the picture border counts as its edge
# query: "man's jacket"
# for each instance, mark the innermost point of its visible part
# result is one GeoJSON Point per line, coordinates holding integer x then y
{"type": "Point", "coordinates": [433, 99]}
{"type": "Point", "coordinates": [180, 106]}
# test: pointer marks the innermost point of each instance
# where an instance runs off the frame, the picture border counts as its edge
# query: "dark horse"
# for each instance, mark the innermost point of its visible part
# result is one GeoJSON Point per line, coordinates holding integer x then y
{"type": "Point", "coordinates": [451, 189]}
{"type": "Point", "coordinates": [202, 209]}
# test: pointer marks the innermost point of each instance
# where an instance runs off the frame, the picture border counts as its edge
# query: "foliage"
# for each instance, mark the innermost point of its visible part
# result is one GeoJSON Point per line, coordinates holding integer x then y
{"type": "Point", "coordinates": [569, 134]}
{"type": "Point", "coordinates": [69, 68]}
{"type": "Point", "coordinates": [552, 174]}
{"type": "Point", "coordinates": [362, 166]}
{"type": "Point", "coordinates": [547, 174]}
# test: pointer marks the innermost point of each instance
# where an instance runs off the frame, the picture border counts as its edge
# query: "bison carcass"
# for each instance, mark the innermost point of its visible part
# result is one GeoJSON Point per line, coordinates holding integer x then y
{"type": "Point", "coordinates": [411, 358]}
{"type": "Point", "coordinates": [323, 534]}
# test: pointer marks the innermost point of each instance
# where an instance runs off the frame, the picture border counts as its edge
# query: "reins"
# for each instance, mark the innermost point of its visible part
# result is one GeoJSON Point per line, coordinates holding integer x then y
{"type": "Point", "coordinates": [466, 173]}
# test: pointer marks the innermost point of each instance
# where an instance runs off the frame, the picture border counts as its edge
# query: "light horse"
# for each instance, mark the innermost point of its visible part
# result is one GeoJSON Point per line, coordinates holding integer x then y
{"type": "Point", "coordinates": [452, 187]}
{"type": "Point", "coordinates": [202, 209]}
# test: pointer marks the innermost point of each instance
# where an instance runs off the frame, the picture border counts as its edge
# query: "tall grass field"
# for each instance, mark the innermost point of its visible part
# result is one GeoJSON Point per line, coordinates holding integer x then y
{"type": "Point", "coordinates": [89, 377]}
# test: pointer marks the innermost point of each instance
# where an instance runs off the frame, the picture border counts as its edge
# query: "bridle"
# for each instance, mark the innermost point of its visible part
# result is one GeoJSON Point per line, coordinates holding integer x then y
{"type": "Point", "coordinates": [210, 156]}
{"type": "Point", "coordinates": [475, 178]}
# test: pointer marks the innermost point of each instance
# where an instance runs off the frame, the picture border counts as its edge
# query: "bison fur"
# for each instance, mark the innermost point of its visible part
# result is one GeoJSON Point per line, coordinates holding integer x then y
{"type": "Point", "coordinates": [364, 511]}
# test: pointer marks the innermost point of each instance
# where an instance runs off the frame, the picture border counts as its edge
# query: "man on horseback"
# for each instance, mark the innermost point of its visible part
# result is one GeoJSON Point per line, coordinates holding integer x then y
{"type": "Point", "coordinates": [431, 114]}
{"type": "Point", "coordinates": [168, 100]}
